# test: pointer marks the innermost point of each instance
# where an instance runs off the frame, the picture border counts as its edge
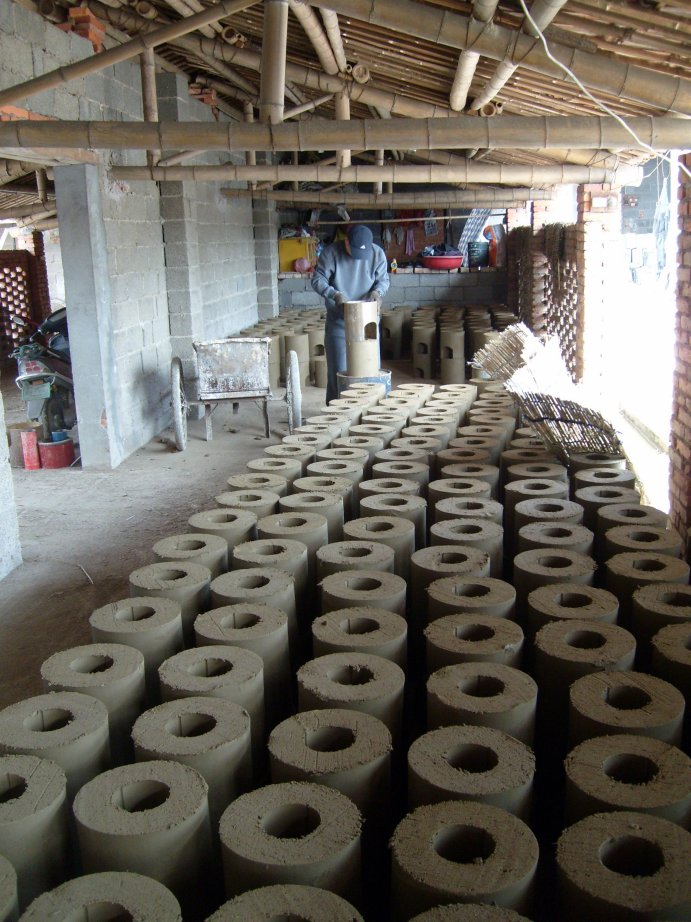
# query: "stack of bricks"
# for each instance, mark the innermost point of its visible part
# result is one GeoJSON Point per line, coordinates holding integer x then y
{"type": "Point", "coordinates": [84, 23]}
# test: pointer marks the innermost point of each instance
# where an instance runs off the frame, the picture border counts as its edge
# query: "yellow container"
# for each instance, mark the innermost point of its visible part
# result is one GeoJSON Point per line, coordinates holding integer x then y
{"type": "Point", "coordinates": [292, 248]}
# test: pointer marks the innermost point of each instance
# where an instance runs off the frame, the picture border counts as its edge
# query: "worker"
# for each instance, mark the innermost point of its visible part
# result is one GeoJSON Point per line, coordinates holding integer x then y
{"type": "Point", "coordinates": [350, 270]}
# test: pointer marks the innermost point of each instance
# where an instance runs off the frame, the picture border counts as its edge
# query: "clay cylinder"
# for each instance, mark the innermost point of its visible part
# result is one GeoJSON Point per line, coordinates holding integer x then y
{"type": "Point", "coordinates": [381, 431]}
{"type": "Point", "coordinates": [151, 818]}
{"type": "Point", "coordinates": [385, 486]}
{"type": "Point", "coordinates": [551, 511]}
{"type": "Point", "coordinates": [362, 338]}
{"type": "Point", "coordinates": [186, 583]}
{"type": "Point", "coordinates": [397, 534]}
{"type": "Point", "coordinates": [9, 901]}
{"type": "Point", "coordinates": [369, 443]}
{"type": "Point", "coordinates": [623, 866]}
{"type": "Point", "coordinates": [260, 502]}
{"type": "Point", "coordinates": [357, 681]}
{"type": "Point", "coordinates": [235, 525]}
{"type": "Point", "coordinates": [378, 416]}
{"type": "Point", "coordinates": [463, 638]}
{"type": "Point", "coordinates": [581, 461]}
{"type": "Point", "coordinates": [671, 657]}
{"type": "Point", "coordinates": [628, 773]}
{"type": "Point", "coordinates": [432, 563]}
{"type": "Point", "coordinates": [116, 894]}
{"type": "Point", "coordinates": [69, 728]}
{"type": "Point", "coordinates": [111, 672]}
{"type": "Point", "coordinates": [33, 823]}
{"type": "Point", "coordinates": [449, 487]}
{"type": "Point", "coordinates": [471, 764]}
{"type": "Point", "coordinates": [603, 477]}
{"type": "Point", "coordinates": [306, 516]}
{"type": "Point", "coordinates": [302, 453]}
{"type": "Point", "coordinates": [220, 672]}
{"type": "Point", "coordinates": [462, 470]}
{"type": "Point", "coordinates": [609, 516]}
{"type": "Point", "coordinates": [427, 431]}
{"type": "Point", "coordinates": [593, 498]}
{"type": "Point", "coordinates": [297, 833]}
{"type": "Point", "coordinates": [519, 490]}
{"type": "Point", "coordinates": [452, 456]}
{"type": "Point", "coordinates": [356, 455]}
{"type": "Point", "coordinates": [258, 480]}
{"type": "Point", "coordinates": [471, 595]}
{"type": "Point", "coordinates": [516, 457]}
{"type": "Point", "coordinates": [492, 447]}
{"type": "Point", "coordinates": [308, 904]}
{"type": "Point", "coordinates": [647, 538]}
{"type": "Point", "coordinates": [208, 734]}
{"type": "Point", "coordinates": [338, 419]}
{"type": "Point", "coordinates": [458, 507]}
{"type": "Point", "coordinates": [407, 470]}
{"type": "Point", "coordinates": [363, 587]}
{"type": "Point", "coordinates": [318, 485]}
{"type": "Point", "coordinates": [543, 470]}
{"type": "Point", "coordinates": [625, 573]}
{"type": "Point", "coordinates": [347, 750]}
{"type": "Point", "coordinates": [624, 702]}
{"type": "Point", "coordinates": [262, 629]}
{"type": "Point", "coordinates": [354, 555]}
{"type": "Point", "coordinates": [277, 553]}
{"type": "Point", "coordinates": [532, 569]}
{"type": "Point", "coordinates": [412, 508]}
{"type": "Point", "coordinates": [461, 852]}
{"type": "Point", "coordinates": [209, 550]}
{"type": "Point", "coordinates": [483, 695]}
{"type": "Point", "coordinates": [149, 624]}
{"type": "Point", "coordinates": [563, 535]}
{"type": "Point", "coordinates": [569, 601]}
{"type": "Point", "coordinates": [475, 533]}
{"type": "Point", "coordinates": [419, 443]}
{"type": "Point", "coordinates": [361, 630]}
{"type": "Point", "coordinates": [281, 467]}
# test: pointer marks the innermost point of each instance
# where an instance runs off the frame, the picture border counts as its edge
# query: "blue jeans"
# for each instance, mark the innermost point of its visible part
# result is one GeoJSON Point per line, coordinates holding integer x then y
{"type": "Point", "coordinates": [335, 349]}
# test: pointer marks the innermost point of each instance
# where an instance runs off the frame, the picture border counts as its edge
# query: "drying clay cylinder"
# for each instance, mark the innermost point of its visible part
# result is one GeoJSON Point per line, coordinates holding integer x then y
{"type": "Point", "coordinates": [151, 818]}
{"type": "Point", "coordinates": [475, 533]}
{"type": "Point", "coordinates": [624, 867]}
{"type": "Point", "coordinates": [209, 734]}
{"type": "Point", "coordinates": [186, 583]}
{"type": "Point", "coordinates": [556, 536]}
{"type": "Point", "coordinates": [339, 468]}
{"type": "Point", "coordinates": [149, 624]}
{"type": "Point", "coordinates": [543, 470]}
{"type": "Point", "coordinates": [427, 431]}
{"type": "Point", "coordinates": [625, 573]}
{"type": "Point", "coordinates": [369, 443]}
{"type": "Point", "coordinates": [402, 454]}
{"type": "Point", "coordinates": [628, 773]}
{"type": "Point", "coordinates": [610, 516]}
{"type": "Point", "coordinates": [469, 912]}
{"type": "Point", "coordinates": [354, 555]}
{"type": "Point", "coordinates": [314, 440]}
{"type": "Point", "coordinates": [111, 672]}
{"type": "Point", "coordinates": [461, 852]}
{"type": "Point", "coordinates": [361, 630]}
{"type": "Point", "coordinates": [316, 485]}
{"type": "Point", "coordinates": [384, 486]}
{"type": "Point", "coordinates": [397, 534]}
{"type": "Point", "coordinates": [234, 525]}
{"type": "Point", "coordinates": [657, 605]}
{"type": "Point", "coordinates": [302, 453]}
{"type": "Point", "coordinates": [624, 702]}
{"type": "Point", "coordinates": [520, 490]}
{"type": "Point", "coordinates": [593, 498]}
{"type": "Point", "coordinates": [463, 638]}
{"type": "Point", "coordinates": [292, 833]}
{"type": "Point", "coordinates": [411, 508]}
{"type": "Point", "coordinates": [408, 470]}
{"type": "Point", "coordinates": [483, 695]}
{"type": "Point", "coordinates": [347, 750]}
{"type": "Point", "coordinates": [458, 507]}
{"type": "Point", "coordinates": [260, 502]}
{"type": "Point", "coordinates": [532, 569]}
{"type": "Point", "coordinates": [492, 447]}
{"type": "Point", "coordinates": [551, 511]}
{"type": "Point", "coordinates": [257, 480]}
{"type": "Point", "coordinates": [453, 456]}
{"type": "Point", "coordinates": [487, 472]}
{"type": "Point", "coordinates": [671, 657]}
{"type": "Point", "coordinates": [220, 672]}
{"type": "Point", "coordinates": [429, 446]}
{"type": "Point", "coordinates": [33, 823]}
{"type": "Point", "coordinates": [471, 763]}
{"type": "Point", "coordinates": [646, 538]}
{"type": "Point", "coordinates": [284, 554]}
{"type": "Point", "coordinates": [357, 681]}
{"type": "Point", "coordinates": [209, 550]}
{"type": "Point", "coordinates": [603, 477]}
{"type": "Point", "coordinates": [376, 431]}
{"type": "Point", "coordinates": [280, 467]}
{"type": "Point", "coordinates": [287, 901]}
{"type": "Point", "coordinates": [432, 563]}
{"type": "Point", "coordinates": [470, 595]}
{"type": "Point", "coordinates": [9, 902]}
{"type": "Point", "coordinates": [262, 629]}
{"type": "Point", "coordinates": [68, 727]}
{"type": "Point", "coordinates": [581, 461]}
{"type": "Point", "coordinates": [569, 601]}
{"type": "Point", "coordinates": [449, 487]}
{"type": "Point", "coordinates": [307, 517]}
{"type": "Point", "coordinates": [363, 587]}
{"type": "Point", "coordinates": [515, 457]}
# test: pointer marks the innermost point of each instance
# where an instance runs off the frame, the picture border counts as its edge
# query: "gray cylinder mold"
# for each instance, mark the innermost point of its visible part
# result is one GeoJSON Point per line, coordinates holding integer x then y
{"type": "Point", "coordinates": [471, 763]}
{"type": "Point", "coordinates": [354, 555]}
{"type": "Point", "coordinates": [186, 583]}
{"type": "Point", "coordinates": [476, 533]}
{"type": "Point", "coordinates": [108, 895]}
{"type": "Point", "coordinates": [259, 480]}
{"type": "Point", "coordinates": [34, 833]}
{"type": "Point", "coordinates": [394, 533]}
{"type": "Point", "coordinates": [432, 563]}
{"type": "Point", "coordinates": [69, 728]}
{"type": "Point", "coordinates": [646, 538]}
{"type": "Point", "coordinates": [234, 525]}
{"type": "Point", "coordinates": [593, 498]}
{"type": "Point", "coordinates": [471, 595]}
{"type": "Point", "coordinates": [463, 638]}
{"type": "Point", "coordinates": [361, 630]}
{"type": "Point", "coordinates": [550, 511]}
{"type": "Point", "coordinates": [462, 852]}
{"type": "Point", "coordinates": [9, 903]}
{"type": "Point", "coordinates": [570, 601]}
{"type": "Point", "coordinates": [209, 550]}
{"type": "Point", "coordinates": [308, 904]}
{"type": "Point", "coordinates": [560, 535]}
{"type": "Point", "coordinates": [260, 502]}
{"type": "Point", "coordinates": [284, 554]}
{"type": "Point", "coordinates": [625, 573]}
{"type": "Point", "coordinates": [463, 507]}
{"type": "Point", "coordinates": [292, 833]}
{"type": "Point", "coordinates": [280, 467]}
{"type": "Point", "coordinates": [373, 588]}
{"type": "Point", "coordinates": [532, 569]}
{"type": "Point", "coordinates": [309, 527]}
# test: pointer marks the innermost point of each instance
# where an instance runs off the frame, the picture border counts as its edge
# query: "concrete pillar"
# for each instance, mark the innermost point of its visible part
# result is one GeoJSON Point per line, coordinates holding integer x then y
{"type": "Point", "coordinates": [10, 548]}
{"type": "Point", "coordinates": [266, 221]}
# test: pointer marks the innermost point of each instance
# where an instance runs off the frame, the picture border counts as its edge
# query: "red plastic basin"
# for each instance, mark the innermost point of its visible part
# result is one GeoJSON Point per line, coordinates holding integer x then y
{"type": "Point", "coordinates": [442, 262]}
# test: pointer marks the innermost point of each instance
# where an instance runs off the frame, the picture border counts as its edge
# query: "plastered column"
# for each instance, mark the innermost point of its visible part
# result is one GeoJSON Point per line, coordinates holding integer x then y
{"type": "Point", "coordinates": [186, 583]}
{"type": "Point", "coordinates": [235, 525]}
{"type": "Point", "coordinates": [461, 852]}
{"type": "Point", "coordinates": [9, 904]}
{"type": "Point", "coordinates": [361, 630]}
{"type": "Point", "coordinates": [372, 588]}
{"type": "Point", "coordinates": [471, 594]}
{"type": "Point", "coordinates": [309, 904]}
{"type": "Point", "coordinates": [462, 638]}
{"type": "Point", "coordinates": [471, 763]}
{"type": "Point", "coordinates": [296, 832]}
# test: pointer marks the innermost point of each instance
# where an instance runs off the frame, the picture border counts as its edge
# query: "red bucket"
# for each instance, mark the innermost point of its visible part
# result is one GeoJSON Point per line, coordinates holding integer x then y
{"type": "Point", "coordinates": [56, 454]}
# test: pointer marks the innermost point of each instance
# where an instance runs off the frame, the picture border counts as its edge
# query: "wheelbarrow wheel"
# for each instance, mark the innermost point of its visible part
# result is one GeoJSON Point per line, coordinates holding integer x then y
{"type": "Point", "coordinates": [179, 403]}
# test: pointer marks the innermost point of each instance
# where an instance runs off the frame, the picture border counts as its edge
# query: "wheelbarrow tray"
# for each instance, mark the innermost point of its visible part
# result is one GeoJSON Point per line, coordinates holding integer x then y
{"type": "Point", "coordinates": [234, 367]}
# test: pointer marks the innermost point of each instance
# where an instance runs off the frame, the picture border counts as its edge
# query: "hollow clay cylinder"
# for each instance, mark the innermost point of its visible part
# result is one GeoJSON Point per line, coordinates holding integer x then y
{"type": "Point", "coordinates": [627, 772]}
{"type": "Point", "coordinates": [354, 555]}
{"type": "Point", "coordinates": [461, 852]}
{"type": "Point", "coordinates": [362, 338]}
{"type": "Point", "coordinates": [280, 467]}
{"type": "Point", "coordinates": [151, 818]}
{"type": "Point", "coordinates": [469, 912]}
{"type": "Point", "coordinates": [347, 750]}
{"type": "Point", "coordinates": [427, 431]}
{"type": "Point", "coordinates": [34, 833]}
{"type": "Point", "coordinates": [369, 443]}
{"type": "Point", "coordinates": [108, 895]}
{"type": "Point", "coordinates": [149, 624]}
{"type": "Point", "coordinates": [284, 554]}
{"type": "Point", "coordinates": [363, 587]}
{"type": "Point", "coordinates": [532, 569]}
{"type": "Point", "coordinates": [463, 638]}
{"type": "Point", "coordinates": [432, 563]}
{"type": "Point", "coordinates": [186, 583]}
{"type": "Point", "coordinates": [515, 457]}
{"type": "Point", "coordinates": [262, 629]}
{"type": "Point", "coordinates": [476, 507]}
{"type": "Point", "coordinates": [259, 480]}
{"type": "Point", "coordinates": [209, 550]}
{"type": "Point", "coordinates": [552, 511]}
{"type": "Point", "coordinates": [472, 764]}
{"type": "Point", "coordinates": [9, 901]}
{"type": "Point", "coordinates": [313, 440]}
{"type": "Point", "coordinates": [625, 573]}
{"type": "Point", "coordinates": [624, 702]}
{"type": "Point", "coordinates": [624, 538]}
{"type": "Point", "coordinates": [412, 508]}
{"type": "Point", "coordinates": [357, 681]}
{"type": "Point", "coordinates": [235, 525]}
{"type": "Point", "coordinates": [375, 430]}
{"type": "Point", "coordinates": [340, 487]}
{"type": "Point", "coordinates": [671, 658]}
{"type": "Point", "coordinates": [408, 470]}
{"type": "Point", "coordinates": [483, 695]}
{"type": "Point", "coordinates": [384, 486]}
{"type": "Point", "coordinates": [520, 490]}
{"type": "Point", "coordinates": [355, 455]}
{"type": "Point", "coordinates": [543, 470]}
{"type": "Point", "coordinates": [556, 536]}
{"type": "Point", "coordinates": [311, 528]}
{"type": "Point", "coordinates": [449, 487]}
{"type": "Point", "coordinates": [260, 502]}
{"type": "Point", "coordinates": [655, 606]}
{"type": "Point", "coordinates": [581, 461]}
{"type": "Point", "coordinates": [302, 453]}
{"type": "Point", "coordinates": [569, 601]}
{"type": "Point", "coordinates": [111, 672]}
{"type": "Point", "coordinates": [208, 734]}
{"type": "Point", "coordinates": [609, 516]}
{"type": "Point", "coordinates": [402, 454]}
{"type": "Point", "coordinates": [492, 447]}
{"type": "Point", "coordinates": [593, 498]}
{"type": "Point", "coordinates": [489, 473]}
{"type": "Point", "coordinates": [339, 468]}
{"type": "Point", "coordinates": [623, 866]}
{"type": "Point", "coordinates": [476, 533]}
{"type": "Point", "coordinates": [292, 833]}
{"type": "Point", "coordinates": [603, 477]}
{"type": "Point", "coordinates": [361, 630]}
{"type": "Point", "coordinates": [429, 446]}
{"type": "Point", "coordinates": [393, 532]}
{"type": "Point", "coordinates": [308, 904]}
{"type": "Point", "coordinates": [471, 595]}
{"type": "Point", "coordinates": [69, 728]}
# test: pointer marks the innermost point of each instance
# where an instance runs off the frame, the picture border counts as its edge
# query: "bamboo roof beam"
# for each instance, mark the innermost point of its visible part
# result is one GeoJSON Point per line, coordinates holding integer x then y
{"type": "Point", "coordinates": [485, 197]}
{"type": "Point", "coordinates": [483, 11]}
{"type": "Point", "coordinates": [309, 21]}
{"type": "Point", "coordinates": [333, 30]}
{"type": "Point", "coordinates": [273, 71]}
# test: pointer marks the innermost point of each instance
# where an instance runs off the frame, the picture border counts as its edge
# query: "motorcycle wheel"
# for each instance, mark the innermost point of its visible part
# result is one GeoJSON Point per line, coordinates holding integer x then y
{"type": "Point", "coordinates": [178, 403]}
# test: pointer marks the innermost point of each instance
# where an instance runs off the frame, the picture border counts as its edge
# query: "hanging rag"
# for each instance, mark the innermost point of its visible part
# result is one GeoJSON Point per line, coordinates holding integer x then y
{"type": "Point", "coordinates": [386, 238]}
{"type": "Point", "coordinates": [400, 234]}
{"type": "Point", "coordinates": [410, 242]}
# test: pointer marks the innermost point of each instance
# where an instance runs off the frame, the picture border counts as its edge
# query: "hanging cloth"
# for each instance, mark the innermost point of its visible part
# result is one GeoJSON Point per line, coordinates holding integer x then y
{"type": "Point", "coordinates": [410, 242]}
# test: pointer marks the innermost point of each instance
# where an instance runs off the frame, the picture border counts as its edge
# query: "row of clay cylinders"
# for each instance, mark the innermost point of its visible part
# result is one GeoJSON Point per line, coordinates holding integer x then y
{"type": "Point", "coordinates": [395, 330]}
{"type": "Point", "coordinates": [424, 346]}
{"type": "Point", "coordinates": [299, 331]}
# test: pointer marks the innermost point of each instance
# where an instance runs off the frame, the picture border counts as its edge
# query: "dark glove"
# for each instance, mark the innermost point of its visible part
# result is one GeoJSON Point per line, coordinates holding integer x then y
{"type": "Point", "coordinates": [374, 295]}
{"type": "Point", "coordinates": [339, 298]}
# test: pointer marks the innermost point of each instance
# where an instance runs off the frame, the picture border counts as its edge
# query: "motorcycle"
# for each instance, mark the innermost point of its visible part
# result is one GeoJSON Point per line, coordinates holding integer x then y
{"type": "Point", "coordinates": [44, 373]}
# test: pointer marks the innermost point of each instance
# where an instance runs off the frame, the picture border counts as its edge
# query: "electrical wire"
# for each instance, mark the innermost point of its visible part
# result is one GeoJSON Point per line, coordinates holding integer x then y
{"type": "Point", "coordinates": [597, 102]}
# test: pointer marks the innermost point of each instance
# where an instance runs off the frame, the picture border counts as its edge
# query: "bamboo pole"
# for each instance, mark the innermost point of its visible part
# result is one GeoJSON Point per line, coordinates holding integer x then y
{"type": "Point", "coordinates": [307, 106]}
{"type": "Point", "coordinates": [250, 155]}
{"type": "Point", "coordinates": [313, 30]}
{"type": "Point", "coordinates": [120, 53]}
{"type": "Point", "coordinates": [147, 66]}
{"type": "Point", "coordinates": [483, 11]}
{"type": "Point", "coordinates": [342, 104]}
{"type": "Point", "coordinates": [379, 160]}
{"type": "Point", "coordinates": [333, 30]}
{"type": "Point", "coordinates": [486, 197]}
{"type": "Point", "coordinates": [273, 72]}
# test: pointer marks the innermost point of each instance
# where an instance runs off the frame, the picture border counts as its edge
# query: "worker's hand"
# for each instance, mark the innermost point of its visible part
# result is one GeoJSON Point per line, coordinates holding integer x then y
{"type": "Point", "coordinates": [374, 295]}
{"type": "Point", "coordinates": [339, 298]}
